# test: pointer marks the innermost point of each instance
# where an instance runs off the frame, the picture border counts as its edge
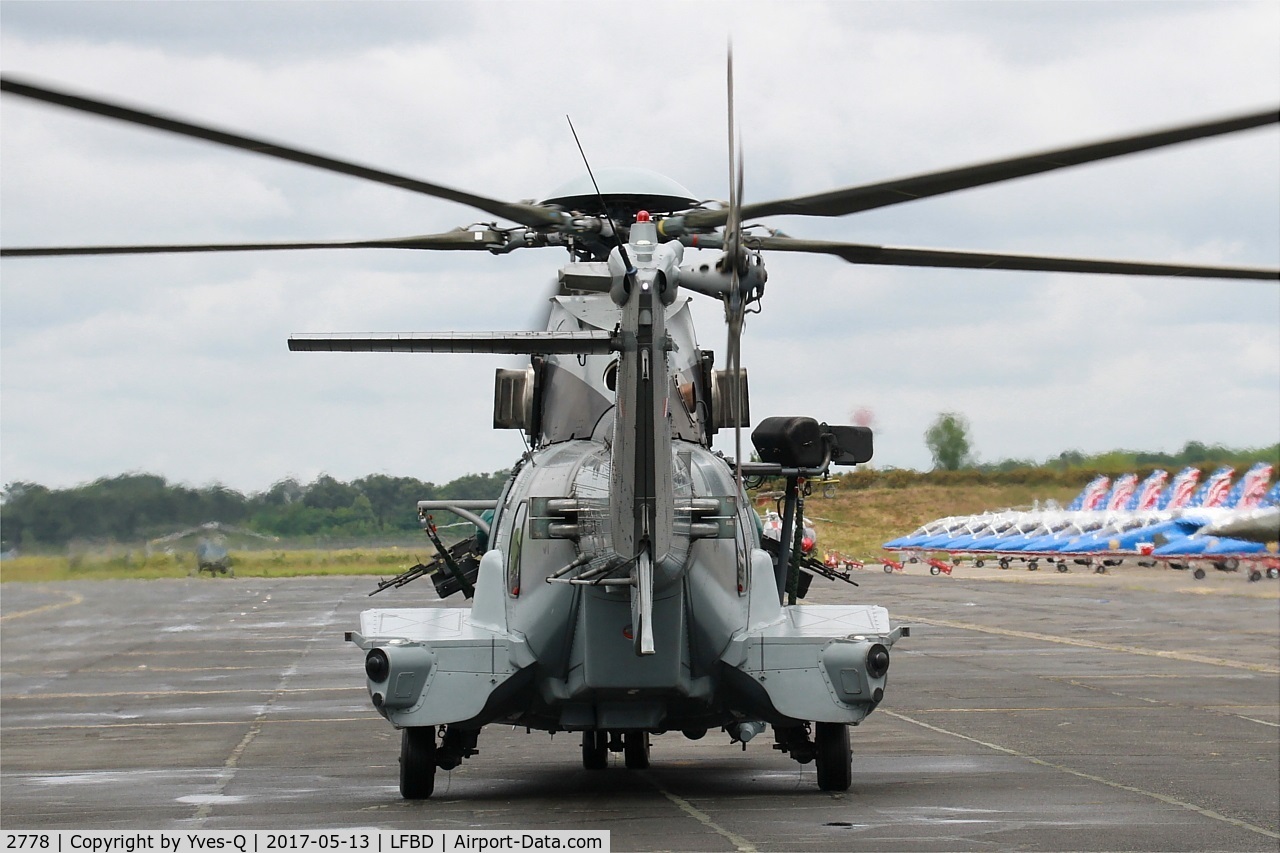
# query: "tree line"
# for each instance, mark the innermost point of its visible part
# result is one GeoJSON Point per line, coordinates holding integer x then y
{"type": "Point", "coordinates": [135, 507]}
{"type": "Point", "coordinates": [951, 444]}
{"type": "Point", "coordinates": [138, 507]}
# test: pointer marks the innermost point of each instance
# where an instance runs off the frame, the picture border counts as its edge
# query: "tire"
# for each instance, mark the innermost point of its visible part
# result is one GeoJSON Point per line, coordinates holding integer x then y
{"type": "Point", "coordinates": [978, 563]}
{"type": "Point", "coordinates": [829, 491]}
{"type": "Point", "coordinates": [1033, 566]}
{"type": "Point", "coordinates": [417, 762]}
{"type": "Point", "coordinates": [1004, 564]}
{"type": "Point", "coordinates": [888, 570]}
{"type": "Point", "coordinates": [595, 750]}
{"type": "Point", "coordinates": [1101, 570]}
{"type": "Point", "coordinates": [1273, 573]}
{"type": "Point", "coordinates": [933, 570]}
{"type": "Point", "coordinates": [834, 758]}
{"type": "Point", "coordinates": [1062, 567]}
{"type": "Point", "coordinates": [1199, 574]}
{"type": "Point", "coordinates": [635, 750]}
{"type": "Point", "coordinates": [1255, 576]}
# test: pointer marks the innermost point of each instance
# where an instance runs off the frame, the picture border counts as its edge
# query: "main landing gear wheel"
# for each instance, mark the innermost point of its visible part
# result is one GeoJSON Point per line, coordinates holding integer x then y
{"type": "Point", "coordinates": [595, 750]}
{"type": "Point", "coordinates": [635, 750]}
{"type": "Point", "coordinates": [417, 762]}
{"type": "Point", "coordinates": [834, 758]}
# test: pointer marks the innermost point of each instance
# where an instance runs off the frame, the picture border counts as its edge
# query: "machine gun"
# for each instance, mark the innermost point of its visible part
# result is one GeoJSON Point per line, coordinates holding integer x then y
{"type": "Point", "coordinates": [452, 569]}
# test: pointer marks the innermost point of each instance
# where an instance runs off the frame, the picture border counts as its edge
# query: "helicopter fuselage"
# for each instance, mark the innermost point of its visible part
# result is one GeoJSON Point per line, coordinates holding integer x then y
{"type": "Point", "coordinates": [623, 586]}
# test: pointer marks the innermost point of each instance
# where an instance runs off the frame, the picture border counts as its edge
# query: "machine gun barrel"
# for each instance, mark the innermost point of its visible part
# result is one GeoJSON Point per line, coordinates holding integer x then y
{"type": "Point", "coordinates": [404, 577]}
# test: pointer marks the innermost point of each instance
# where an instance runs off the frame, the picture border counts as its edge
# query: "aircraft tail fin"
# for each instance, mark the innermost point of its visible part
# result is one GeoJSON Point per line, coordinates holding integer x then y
{"type": "Point", "coordinates": [1250, 488]}
{"type": "Point", "coordinates": [1122, 491]}
{"type": "Point", "coordinates": [1093, 494]}
{"type": "Point", "coordinates": [1147, 495]}
{"type": "Point", "coordinates": [1215, 489]}
{"type": "Point", "coordinates": [1180, 490]}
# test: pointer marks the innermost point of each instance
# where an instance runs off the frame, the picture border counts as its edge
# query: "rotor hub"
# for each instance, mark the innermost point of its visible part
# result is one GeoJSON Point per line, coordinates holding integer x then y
{"type": "Point", "coordinates": [625, 191]}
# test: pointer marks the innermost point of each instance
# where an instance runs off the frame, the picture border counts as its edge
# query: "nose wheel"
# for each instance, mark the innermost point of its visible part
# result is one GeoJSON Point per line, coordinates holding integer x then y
{"type": "Point", "coordinates": [417, 762]}
{"type": "Point", "coordinates": [833, 756]}
{"type": "Point", "coordinates": [595, 750]}
{"type": "Point", "coordinates": [635, 750]}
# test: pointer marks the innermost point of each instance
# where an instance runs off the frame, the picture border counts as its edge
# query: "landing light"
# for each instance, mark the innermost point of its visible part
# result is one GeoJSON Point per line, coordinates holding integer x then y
{"type": "Point", "coordinates": [877, 661]}
{"type": "Point", "coordinates": [377, 666]}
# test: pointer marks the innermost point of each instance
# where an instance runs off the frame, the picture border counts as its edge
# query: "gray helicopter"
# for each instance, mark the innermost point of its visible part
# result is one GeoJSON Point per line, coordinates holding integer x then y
{"type": "Point", "coordinates": [621, 586]}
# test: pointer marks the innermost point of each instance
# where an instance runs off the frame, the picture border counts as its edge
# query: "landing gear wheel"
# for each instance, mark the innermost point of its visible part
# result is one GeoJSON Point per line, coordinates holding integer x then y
{"type": "Point", "coordinates": [1198, 574]}
{"type": "Point", "coordinates": [595, 750]}
{"type": "Point", "coordinates": [834, 758]}
{"type": "Point", "coordinates": [417, 762]}
{"type": "Point", "coordinates": [635, 750]}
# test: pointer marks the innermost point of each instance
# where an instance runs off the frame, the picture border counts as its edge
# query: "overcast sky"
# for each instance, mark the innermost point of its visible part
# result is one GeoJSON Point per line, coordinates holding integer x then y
{"type": "Point", "coordinates": [177, 365]}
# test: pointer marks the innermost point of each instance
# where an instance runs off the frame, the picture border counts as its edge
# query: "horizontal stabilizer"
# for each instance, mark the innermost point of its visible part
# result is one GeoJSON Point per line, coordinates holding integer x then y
{"type": "Point", "coordinates": [592, 342]}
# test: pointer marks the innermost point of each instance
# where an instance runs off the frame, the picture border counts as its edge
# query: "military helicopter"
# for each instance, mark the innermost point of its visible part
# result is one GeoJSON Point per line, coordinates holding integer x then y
{"type": "Point", "coordinates": [211, 554]}
{"type": "Point", "coordinates": [620, 588]}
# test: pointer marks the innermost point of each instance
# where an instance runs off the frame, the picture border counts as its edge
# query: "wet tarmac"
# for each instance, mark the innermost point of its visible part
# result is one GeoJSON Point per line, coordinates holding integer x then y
{"type": "Point", "coordinates": [1059, 712]}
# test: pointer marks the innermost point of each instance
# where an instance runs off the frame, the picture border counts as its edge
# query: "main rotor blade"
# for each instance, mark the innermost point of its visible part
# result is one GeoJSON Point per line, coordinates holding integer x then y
{"type": "Point", "coordinates": [457, 239]}
{"type": "Point", "coordinates": [734, 308]}
{"type": "Point", "coordinates": [525, 214]}
{"type": "Point", "coordinates": [870, 196]}
{"type": "Point", "coordinates": [899, 256]}
{"type": "Point", "coordinates": [589, 342]}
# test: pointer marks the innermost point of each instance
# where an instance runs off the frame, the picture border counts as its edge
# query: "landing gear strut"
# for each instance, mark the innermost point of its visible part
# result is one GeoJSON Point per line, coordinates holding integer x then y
{"type": "Point", "coordinates": [596, 746]}
{"type": "Point", "coordinates": [829, 748]}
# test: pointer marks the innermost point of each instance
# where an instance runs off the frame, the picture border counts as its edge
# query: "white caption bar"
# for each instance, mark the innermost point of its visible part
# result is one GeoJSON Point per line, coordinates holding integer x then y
{"type": "Point", "coordinates": [307, 841]}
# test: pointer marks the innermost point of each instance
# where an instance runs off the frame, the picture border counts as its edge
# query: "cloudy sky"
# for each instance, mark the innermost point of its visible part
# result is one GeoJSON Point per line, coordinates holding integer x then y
{"type": "Point", "coordinates": [177, 365]}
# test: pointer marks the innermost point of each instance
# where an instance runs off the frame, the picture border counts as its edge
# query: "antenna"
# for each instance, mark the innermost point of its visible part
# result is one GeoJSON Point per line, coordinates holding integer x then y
{"type": "Point", "coordinates": [622, 249]}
